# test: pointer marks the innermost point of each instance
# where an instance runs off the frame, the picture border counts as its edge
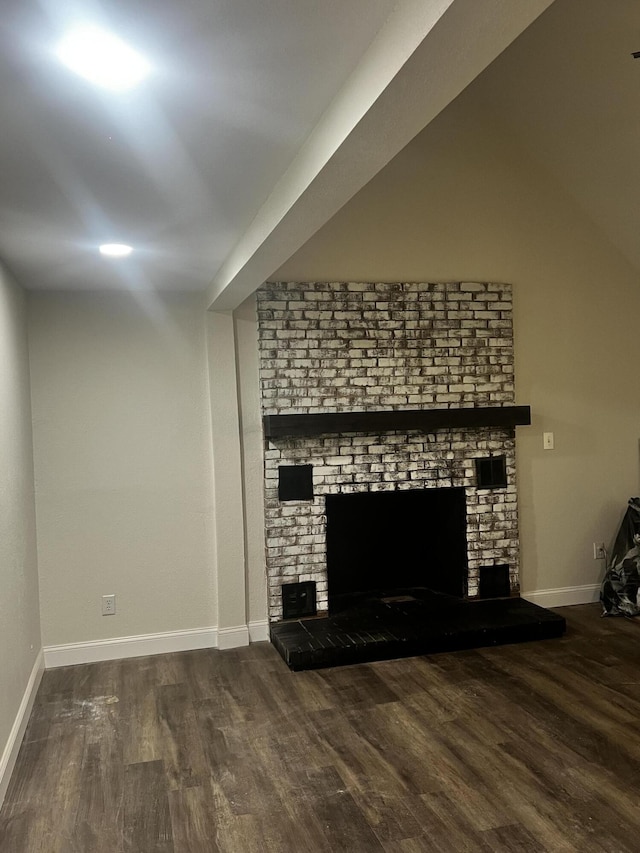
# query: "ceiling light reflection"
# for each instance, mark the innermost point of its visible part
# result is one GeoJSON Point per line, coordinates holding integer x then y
{"type": "Point", "coordinates": [102, 58]}
{"type": "Point", "coordinates": [115, 250]}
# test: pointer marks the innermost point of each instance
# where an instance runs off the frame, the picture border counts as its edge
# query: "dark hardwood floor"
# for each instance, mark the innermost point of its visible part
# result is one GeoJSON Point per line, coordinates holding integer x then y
{"type": "Point", "coordinates": [534, 747]}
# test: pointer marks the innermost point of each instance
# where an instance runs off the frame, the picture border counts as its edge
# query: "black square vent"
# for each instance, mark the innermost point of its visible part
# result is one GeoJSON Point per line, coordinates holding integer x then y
{"type": "Point", "coordinates": [295, 482]}
{"type": "Point", "coordinates": [298, 599]}
{"type": "Point", "coordinates": [491, 472]}
{"type": "Point", "coordinates": [494, 581]}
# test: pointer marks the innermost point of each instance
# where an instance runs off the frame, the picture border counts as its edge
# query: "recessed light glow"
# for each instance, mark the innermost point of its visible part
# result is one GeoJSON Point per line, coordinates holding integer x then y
{"type": "Point", "coordinates": [102, 58]}
{"type": "Point", "coordinates": [115, 250]}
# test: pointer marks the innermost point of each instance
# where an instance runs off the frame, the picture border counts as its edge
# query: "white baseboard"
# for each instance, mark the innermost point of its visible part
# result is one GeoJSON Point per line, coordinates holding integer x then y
{"type": "Point", "coordinates": [564, 596]}
{"type": "Point", "coordinates": [142, 645]}
{"type": "Point", "coordinates": [10, 753]}
{"type": "Point", "coordinates": [130, 647]}
{"type": "Point", "coordinates": [233, 638]}
{"type": "Point", "coordinates": [258, 631]}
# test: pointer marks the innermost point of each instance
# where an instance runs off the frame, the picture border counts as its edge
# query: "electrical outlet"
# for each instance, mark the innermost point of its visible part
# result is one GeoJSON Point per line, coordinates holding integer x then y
{"type": "Point", "coordinates": [108, 605]}
{"type": "Point", "coordinates": [599, 552]}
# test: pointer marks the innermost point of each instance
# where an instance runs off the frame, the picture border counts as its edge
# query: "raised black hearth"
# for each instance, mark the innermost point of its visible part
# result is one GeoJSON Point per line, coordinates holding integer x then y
{"type": "Point", "coordinates": [397, 569]}
{"type": "Point", "coordinates": [383, 543]}
{"type": "Point", "coordinates": [413, 625]}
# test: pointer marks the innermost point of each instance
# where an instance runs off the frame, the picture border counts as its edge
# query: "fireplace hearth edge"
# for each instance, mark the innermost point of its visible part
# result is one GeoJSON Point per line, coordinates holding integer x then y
{"type": "Point", "coordinates": [382, 630]}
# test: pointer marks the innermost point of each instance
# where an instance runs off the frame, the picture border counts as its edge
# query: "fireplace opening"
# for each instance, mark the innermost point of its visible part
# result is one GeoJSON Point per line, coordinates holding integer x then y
{"type": "Point", "coordinates": [395, 544]}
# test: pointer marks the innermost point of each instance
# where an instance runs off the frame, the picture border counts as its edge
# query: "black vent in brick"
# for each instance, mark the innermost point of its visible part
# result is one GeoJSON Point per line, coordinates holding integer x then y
{"type": "Point", "coordinates": [494, 581]}
{"type": "Point", "coordinates": [298, 599]}
{"type": "Point", "coordinates": [295, 482]}
{"type": "Point", "coordinates": [491, 472]}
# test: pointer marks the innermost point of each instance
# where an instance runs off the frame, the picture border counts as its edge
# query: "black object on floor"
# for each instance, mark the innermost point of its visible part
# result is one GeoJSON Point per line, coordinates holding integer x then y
{"type": "Point", "coordinates": [416, 623]}
{"type": "Point", "coordinates": [619, 591]}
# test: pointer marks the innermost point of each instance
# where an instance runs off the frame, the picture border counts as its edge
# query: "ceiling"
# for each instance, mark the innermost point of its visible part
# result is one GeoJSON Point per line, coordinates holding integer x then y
{"type": "Point", "coordinates": [177, 167]}
{"type": "Point", "coordinates": [262, 117]}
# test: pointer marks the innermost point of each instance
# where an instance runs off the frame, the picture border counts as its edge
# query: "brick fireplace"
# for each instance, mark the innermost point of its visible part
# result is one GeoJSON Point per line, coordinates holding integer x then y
{"type": "Point", "coordinates": [337, 347]}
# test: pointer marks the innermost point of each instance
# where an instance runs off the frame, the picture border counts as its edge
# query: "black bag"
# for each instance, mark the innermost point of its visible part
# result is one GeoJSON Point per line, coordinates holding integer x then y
{"type": "Point", "coordinates": [619, 592]}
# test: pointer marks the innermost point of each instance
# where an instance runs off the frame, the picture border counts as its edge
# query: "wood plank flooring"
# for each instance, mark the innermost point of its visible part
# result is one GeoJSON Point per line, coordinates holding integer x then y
{"type": "Point", "coordinates": [534, 747]}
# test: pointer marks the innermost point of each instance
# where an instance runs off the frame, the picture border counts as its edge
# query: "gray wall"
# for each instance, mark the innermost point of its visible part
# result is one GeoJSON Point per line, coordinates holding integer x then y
{"type": "Point", "coordinates": [19, 613]}
{"type": "Point", "coordinates": [123, 464]}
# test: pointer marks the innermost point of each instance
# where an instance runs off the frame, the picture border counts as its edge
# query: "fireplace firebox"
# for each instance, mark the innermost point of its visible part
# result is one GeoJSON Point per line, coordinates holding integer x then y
{"type": "Point", "coordinates": [385, 544]}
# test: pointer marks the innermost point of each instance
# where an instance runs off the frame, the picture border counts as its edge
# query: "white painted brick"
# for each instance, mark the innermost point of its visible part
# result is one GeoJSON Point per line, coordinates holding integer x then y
{"type": "Point", "coordinates": [394, 365]}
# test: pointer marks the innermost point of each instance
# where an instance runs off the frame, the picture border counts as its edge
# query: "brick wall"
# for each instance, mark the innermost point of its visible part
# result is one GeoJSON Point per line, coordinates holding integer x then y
{"type": "Point", "coordinates": [350, 346]}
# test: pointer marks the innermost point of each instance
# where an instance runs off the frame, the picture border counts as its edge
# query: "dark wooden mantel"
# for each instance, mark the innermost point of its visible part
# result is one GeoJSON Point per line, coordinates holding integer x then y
{"type": "Point", "coordinates": [427, 420]}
